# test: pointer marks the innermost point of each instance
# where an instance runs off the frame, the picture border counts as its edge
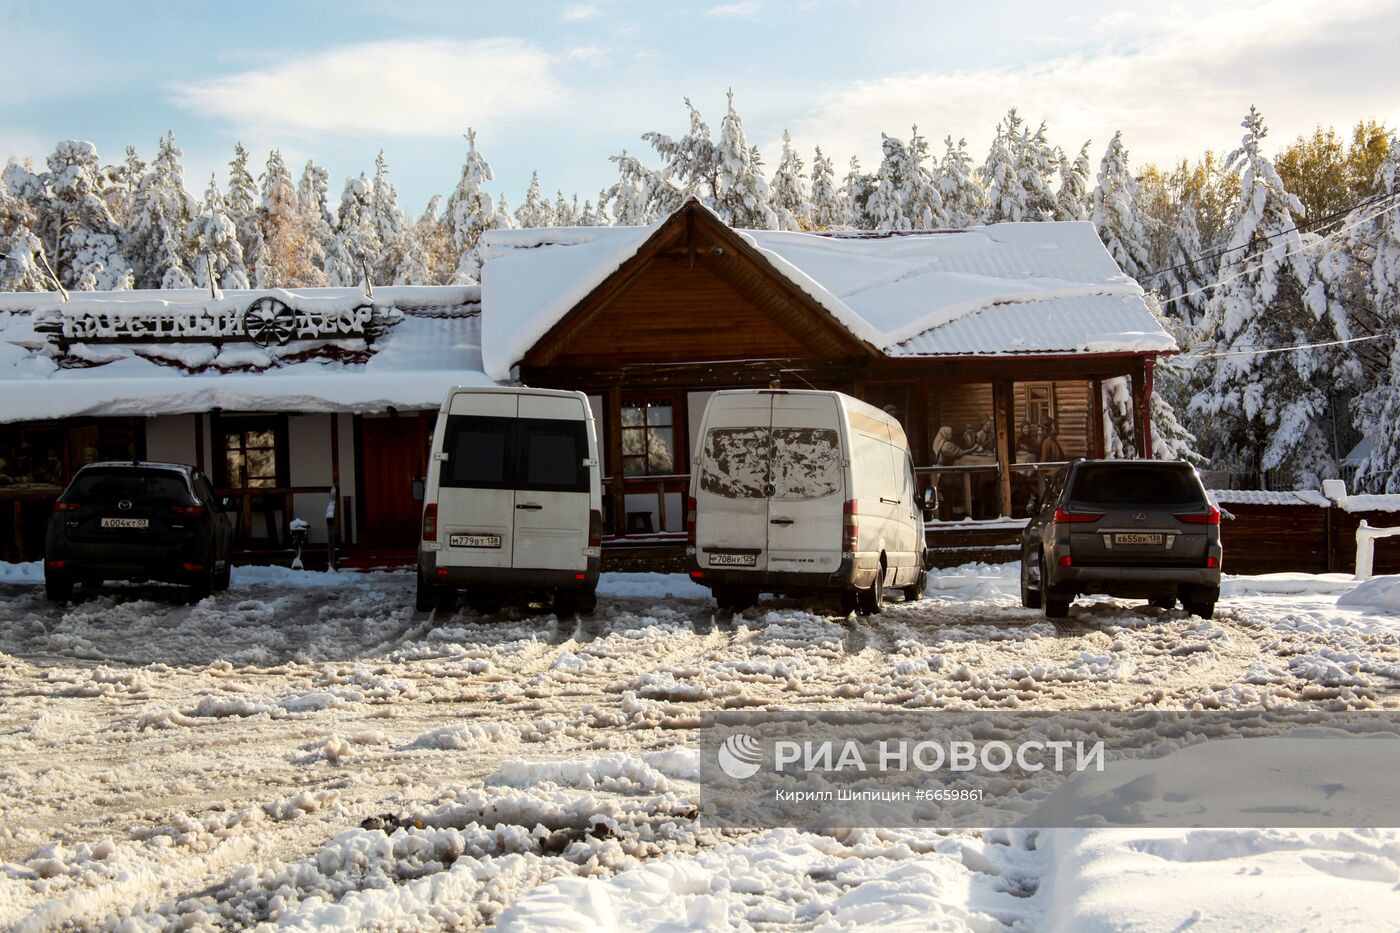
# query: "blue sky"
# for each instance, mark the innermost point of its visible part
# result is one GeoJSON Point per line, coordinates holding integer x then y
{"type": "Point", "coordinates": [560, 86]}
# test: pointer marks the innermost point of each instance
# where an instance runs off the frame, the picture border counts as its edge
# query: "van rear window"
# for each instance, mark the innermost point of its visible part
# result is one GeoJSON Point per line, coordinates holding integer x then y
{"type": "Point", "coordinates": [530, 454]}
{"type": "Point", "coordinates": [801, 463]}
{"type": "Point", "coordinates": [1122, 483]}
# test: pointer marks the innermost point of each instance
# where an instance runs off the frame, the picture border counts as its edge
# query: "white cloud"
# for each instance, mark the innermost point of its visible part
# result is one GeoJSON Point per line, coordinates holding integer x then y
{"type": "Point", "coordinates": [579, 12]}
{"type": "Point", "coordinates": [404, 88]}
{"type": "Point", "coordinates": [1176, 85]}
{"type": "Point", "coordinates": [742, 9]}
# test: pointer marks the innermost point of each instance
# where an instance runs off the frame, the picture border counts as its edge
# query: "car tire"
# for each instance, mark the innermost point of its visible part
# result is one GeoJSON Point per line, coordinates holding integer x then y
{"type": "Point", "coordinates": [223, 578]}
{"type": "Point", "coordinates": [1162, 602]}
{"type": "Point", "coordinates": [587, 602]}
{"type": "Point", "coordinates": [425, 597]}
{"type": "Point", "coordinates": [868, 600]}
{"type": "Point", "coordinates": [915, 591]}
{"type": "Point", "coordinates": [1202, 603]}
{"type": "Point", "coordinates": [850, 601]}
{"type": "Point", "coordinates": [1030, 596]}
{"type": "Point", "coordinates": [567, 603]}
{"type": "Point", "coordinates": [58, 586]}
{"type": "Point", "coordinates": [200, 588]}
{"type": "Point", "coordinates": [1055, 605]}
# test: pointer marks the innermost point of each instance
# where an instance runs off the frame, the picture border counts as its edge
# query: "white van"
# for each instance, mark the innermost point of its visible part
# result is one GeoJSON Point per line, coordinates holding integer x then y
{"type": "Point", "coordinates": [513, 501]}
{"type": "Point", "coordinates": [797, 491]}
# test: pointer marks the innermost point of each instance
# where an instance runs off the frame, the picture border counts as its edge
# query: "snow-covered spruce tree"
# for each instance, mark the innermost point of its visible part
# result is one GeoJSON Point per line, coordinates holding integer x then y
{"type": "Point", "coordinates": [1113, 207]}
{"type": "Point", "coordinates": [906, 195]}
{"type": "Point", "coordinates": [640, 196]}
{"type": "Point", "coordinates": [690, 164]}
{"type": "Point", "coordinates": [290, 255]}
{"type": "Point", "coordinates": [504, 219]}
{"type": "Point", "coordinates": [241, 201]}
{"type": "Point", "coordinates": [21, 252]}
{"type": "Point", "coordinates": [964, 201]}
{"type": "Point", "coordinates": [313, 191]}
{"type": "Point", "coordinates": [741, 197]}
{"type": "Point", "coordinates": [73, 220]}
{"type": "Point", "coordinates": [565, 213]}
{"type": "Point", "coordinates": [1072, 201]}
{"type": "Point", "coordinates": [1373, 260]}
{"type": "Point", "coordinates": [829, 210]}
{"type": "Point", "coordinates": [213, 237]}
{"type": "Point", "coordinates": [1000, 176]}
{"type": "Point", "coordinates": [856, 190]}
{"type": "Point", "coordinates": [390, 225]}
{"type": "Point", "coordinates": [1181, 284]}
{"type": "Point", "coordinates": [1272, 411]}
{"type": "Point", "coordinates": [414, 260]}
{"type": "Point", "coordinates": [355, 246]}
{"type": "Point", "coordinates": [470, 212]}
{"type": "Point", "coordinates": [161, 211]}
{"type": "Point", "coordinates": [431, 235]}
{"type": "Point", "coordinates": [790, 199]}
{"type": "Point", "coordinates": [1039, 162]}
{"type": "Point", "coordinates": [535, 211]}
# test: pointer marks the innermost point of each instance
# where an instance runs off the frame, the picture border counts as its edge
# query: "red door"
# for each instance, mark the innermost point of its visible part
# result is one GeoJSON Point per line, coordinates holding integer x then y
{"type": "Point", "coordinates": [395, 453]}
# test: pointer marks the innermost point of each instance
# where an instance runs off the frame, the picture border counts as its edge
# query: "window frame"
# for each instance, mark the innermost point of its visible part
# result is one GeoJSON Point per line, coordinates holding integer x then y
{"type": "Point", "coordinates": [677, 402]}
{"type": "Point", "coordinates": [243, 425]}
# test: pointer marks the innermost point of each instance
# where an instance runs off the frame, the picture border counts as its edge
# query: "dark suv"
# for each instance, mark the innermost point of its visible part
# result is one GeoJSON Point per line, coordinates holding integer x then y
{"type": "Point", "coordinates": [138, 521]}
{"type": "Point", "coordinates": [1130, 528]}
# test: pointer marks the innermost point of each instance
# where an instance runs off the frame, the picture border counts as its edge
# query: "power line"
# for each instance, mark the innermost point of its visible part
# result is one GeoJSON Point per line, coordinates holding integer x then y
{"type": "Point", "coordinates": [1299, 228]}
{"type": "Point", "coordinates": [1261, 351]}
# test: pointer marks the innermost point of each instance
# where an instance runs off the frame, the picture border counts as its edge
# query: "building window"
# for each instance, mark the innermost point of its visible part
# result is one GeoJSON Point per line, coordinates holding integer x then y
{"type": "Point", "coordinates": [648, 437]}
{"type": "Point", "coordinates": [1040, 402]}
{"type": "Point", "coordinates": [251, 458]}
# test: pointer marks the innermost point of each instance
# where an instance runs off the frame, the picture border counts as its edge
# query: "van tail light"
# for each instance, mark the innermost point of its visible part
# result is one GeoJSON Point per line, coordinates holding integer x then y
{"type": "Point", "coordinates": [187, 509]}
{"type": "Point", "coordinates": [595, 528]}
{"type": "Point", "coordinates": [430, 522]}
{"type": "Point", "coordinates": [690, 521]}
{"type": "Point", "coordinates": [189, 567]}
{"type": "Point", "coordinates": [850, 526]}
{"type": "Point", "coordinates": [61, 506]}
{"type": "Point", "coordinates": [1209, 517]}
{"type": "Point", "coordinates": [1066, 561]}
{"type": "Point", "coordinates": [1064, 516]}
{"type": "Point", "coordinates": [1212, 562]}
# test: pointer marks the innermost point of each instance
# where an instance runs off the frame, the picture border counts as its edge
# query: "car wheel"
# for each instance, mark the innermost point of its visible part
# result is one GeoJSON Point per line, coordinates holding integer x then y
{"type": "Point", "coordinates": [223, 578]}
{"type": "Point", "coordinates": [58, 586]}
{"type": "Point", "coordinates": [424, 596]}
{"type": "Point", "coordinates": [915, 591]}
{"type": "Point", "coordinates": [1030, 595]}
{"type": "Point", "coordinates": [850, 601]}
{"type": "Point", "coordinates": [1162, 602]}
{"type": "Point", "coordinates": [1202, 603]}
{"type": "Point", "coordinates": [869, 599]}
{"type": "Point", "coordinates": [1056, 606]}
{"type": "Point", "coordinates": [566, 603]}
{"type": "Point", "coordinates": [200, 588]}
{"type": "Point", "coordinates": [587, 602]}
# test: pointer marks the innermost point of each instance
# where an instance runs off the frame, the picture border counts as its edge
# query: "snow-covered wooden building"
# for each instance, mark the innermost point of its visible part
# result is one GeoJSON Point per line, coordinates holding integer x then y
{"type": "Point", "coordinates": [991, 345]}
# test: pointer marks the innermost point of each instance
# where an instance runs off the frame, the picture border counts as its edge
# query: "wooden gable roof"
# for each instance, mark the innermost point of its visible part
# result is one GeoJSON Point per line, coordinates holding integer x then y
{"type": "Point", "coordinates": [695, 291]}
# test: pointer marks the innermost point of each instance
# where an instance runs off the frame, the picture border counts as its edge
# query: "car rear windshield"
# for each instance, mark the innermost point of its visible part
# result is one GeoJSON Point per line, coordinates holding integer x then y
{"type": "Point", "coordinates": [800, 463]}
{"type": "Point", "coordinates": [114, 484]}
{"type": "Point", "coordinates": [1126, 484]}
{"type": "Point", "coordinates": [533, 454]}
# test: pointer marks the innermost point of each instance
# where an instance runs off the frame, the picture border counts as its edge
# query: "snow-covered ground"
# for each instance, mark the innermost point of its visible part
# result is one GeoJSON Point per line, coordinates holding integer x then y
{"type": "Point", "coordinates": [305, 751]}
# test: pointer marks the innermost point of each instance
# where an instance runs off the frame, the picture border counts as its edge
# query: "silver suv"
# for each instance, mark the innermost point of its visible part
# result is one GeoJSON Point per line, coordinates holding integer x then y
{"type": "Point", "coordinates": [1130, 528]}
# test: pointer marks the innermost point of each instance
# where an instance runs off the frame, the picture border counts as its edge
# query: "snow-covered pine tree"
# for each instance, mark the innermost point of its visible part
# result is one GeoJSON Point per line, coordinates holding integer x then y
{"type": "Point", "coordinates": [290, 255]}
{"type": "Point", "coordinates": [1113, 207]}
{"type": "Point", "coordinates": [1000, 175]}
{"type": "Point", "coordinates": [535, 211]}
{"type": "Point", "coordinates": [161, 210]}
{"type": "Point", "coordinates": [1275, 408]}
{"type": "Point", "coordinates": [789, 189]}
{"type": "Point", "coordinates": [1373, 260]}
{"type": "Point", "coordinates": [1071, 201]}
{"type": "Point", "coordinates": [886, 208]}
{"type": "Point", "coordinates": [1038, 162]}
{"type": "Point", "coordinates": [829, 210]}
{"type": "Point", "coordinates": [640, 196]}
{"type": "Point", "coordinates": [355, 246]}
{"type": "Point", "coordinates": [390, 225]}
{"type": "Point", "coordinates": [741, 198]}
{"type": "Point", "coordinates": [1181, 284]}
{"type": "Point", "coordinates": [214, 241]}
{"type": "Point", "coordinates": [74, 219]}
{"type": "Point", "coordinates": [21, 252]}
{"type": "Point", "coordinates": [434, 238]}
{"type": "Point", "coordinates": [241, 201]}
{"type": "Point", "coordinates": [470, 212]}
{"type": "Point", "coordinates": [964, 201]}
{"type": "Point", "coordinates": [414, 260]}
{"type": "Point", "coordinates": [856, 190]}
{"type": "Point", "coordinates": [313, 191]}
{"type": "Point", "coordinates": [691, 166]}
{"type": "Point", "coordinates": [565, 213]}
{"type": "Point", "coordinates": [505, 220]}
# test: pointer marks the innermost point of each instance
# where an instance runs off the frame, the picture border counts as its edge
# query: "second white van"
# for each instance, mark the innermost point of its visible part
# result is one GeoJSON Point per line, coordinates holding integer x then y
{"type": "Point", "coordinates": [798, 491]}
{"type": "Point", "coordinates": [513, 500]}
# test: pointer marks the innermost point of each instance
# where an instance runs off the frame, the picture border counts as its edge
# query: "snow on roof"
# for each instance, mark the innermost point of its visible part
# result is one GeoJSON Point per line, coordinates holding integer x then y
{"type": "Point", "coordinates": [434, 345]}
{"type": "Point", "coordinates": [999, 289]}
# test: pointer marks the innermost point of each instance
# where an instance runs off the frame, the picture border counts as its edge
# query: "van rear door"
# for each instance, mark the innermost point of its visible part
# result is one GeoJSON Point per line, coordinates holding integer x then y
{"type": "Point", "coordinates": [808, 487]}
{"type": "Point", "coordinates": [731, 506]}
{"type": "Point", "coordinates": [476, 494]}
{"type": "Point", "coordinates": [552, 484]}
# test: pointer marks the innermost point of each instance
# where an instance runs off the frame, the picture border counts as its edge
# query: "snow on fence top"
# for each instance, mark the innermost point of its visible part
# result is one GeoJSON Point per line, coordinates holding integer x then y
{"type": "Point", "coordinates": [180, 351]}
{"type": "Point", "coordinates": [1305, 497]}
{"type": "Point", "coordinates": [999, 289]}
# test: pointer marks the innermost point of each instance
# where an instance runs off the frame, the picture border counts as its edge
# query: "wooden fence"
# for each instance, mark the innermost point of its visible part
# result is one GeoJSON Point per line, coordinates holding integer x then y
{"type": "Point", "coordinates": [1301, 537]}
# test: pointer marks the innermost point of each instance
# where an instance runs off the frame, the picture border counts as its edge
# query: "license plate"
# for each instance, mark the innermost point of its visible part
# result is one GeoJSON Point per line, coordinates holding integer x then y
{"type": "Point", "coordinates": [733, 560]}
{"type": "Point", "coordinates": [1140, 539]}
{"type": "Point", "coordinates": [126, 523]}
{"type": "Point", "coordinates": [474, 541]}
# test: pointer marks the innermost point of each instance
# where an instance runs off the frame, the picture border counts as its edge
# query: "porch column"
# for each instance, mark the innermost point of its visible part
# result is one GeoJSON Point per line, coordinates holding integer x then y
{"type": "Point", "coordinates": [614, 429]}
{"type": "Point", "coordinates": [1003, 394]}
{"type": "Point", "coordinates": [1098, 447]}
{"type": "Point", "coordinates": [1142, 406]}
